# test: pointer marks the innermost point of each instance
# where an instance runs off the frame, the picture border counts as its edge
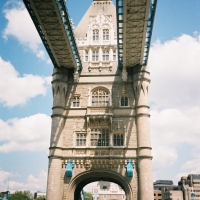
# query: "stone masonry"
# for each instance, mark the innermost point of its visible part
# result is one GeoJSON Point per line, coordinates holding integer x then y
{"type": "Point", "coordinates": [99, 122]}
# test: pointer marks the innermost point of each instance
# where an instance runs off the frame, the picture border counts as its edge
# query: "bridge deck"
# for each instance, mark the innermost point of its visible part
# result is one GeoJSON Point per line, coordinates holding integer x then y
{"type": "Point", "coordinates": [135, 23]}
{"type": "Point", "coordinates": [54, 26]}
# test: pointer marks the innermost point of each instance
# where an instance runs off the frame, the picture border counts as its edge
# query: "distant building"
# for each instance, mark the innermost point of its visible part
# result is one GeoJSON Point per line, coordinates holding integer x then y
{"type": "Point", "coordinates": [190, 186]}
{"type": "Point", "coordinates": [39, 194]}
{"type": "Point", "coordinates": [108, 191]}
{"type": "Point", "coordinates": [157, 195]}
{"type": "Point", "coordinates": [168, 194]}
{"type": "Point", "coordinates": [158, 185]}
{"type": "Point", "coordinates": [166, 190]}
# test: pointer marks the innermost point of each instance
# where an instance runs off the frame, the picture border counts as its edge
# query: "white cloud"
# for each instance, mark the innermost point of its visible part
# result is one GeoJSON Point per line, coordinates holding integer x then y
{"type": "Point", "coordinates": [32, 183]}
{"type": "Point", "coordinates": [16, 90]}
{"type": "Point", "coordinates": [175, 93]}
{"type": "Point", "coordinates": [163, 157]}
{"type": "Point", "coordinates": [170, 129]}
{"type": "Point", "coordinates": [26, 134]}
{"type": "Point", "coordinates": [174, 67]}
{"type": "Point", "coordinates": [21, 27]}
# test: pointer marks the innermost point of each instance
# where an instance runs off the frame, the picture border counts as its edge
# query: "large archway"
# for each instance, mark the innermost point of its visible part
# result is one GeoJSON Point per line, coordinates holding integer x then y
{"type": "Point", "coordinates": [78, 182]}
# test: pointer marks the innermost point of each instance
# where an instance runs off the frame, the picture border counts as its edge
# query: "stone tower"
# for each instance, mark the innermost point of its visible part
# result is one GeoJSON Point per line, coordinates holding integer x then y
{"type": "Point", "coordinates": [100, 122]}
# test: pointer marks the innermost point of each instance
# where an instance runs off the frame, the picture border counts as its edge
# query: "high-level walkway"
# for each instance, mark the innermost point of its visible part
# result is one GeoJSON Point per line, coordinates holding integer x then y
{"type": "Point", "coordinates": [134, 23]}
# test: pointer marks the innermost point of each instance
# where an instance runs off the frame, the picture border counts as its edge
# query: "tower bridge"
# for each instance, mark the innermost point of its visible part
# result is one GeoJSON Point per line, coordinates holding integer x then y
{"type": "Point", "coordinates": [100, 119]}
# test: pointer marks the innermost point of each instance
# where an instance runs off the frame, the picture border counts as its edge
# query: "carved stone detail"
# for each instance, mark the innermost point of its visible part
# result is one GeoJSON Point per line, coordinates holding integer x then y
{"type": "Point", "coordinates": [118, 153]}
{"type": "Point", "coordinates": [80, 152]}
{"type": "Point", "coordinates": [99, 153]}
{"type": "Point", "coordinates": [99, 163]}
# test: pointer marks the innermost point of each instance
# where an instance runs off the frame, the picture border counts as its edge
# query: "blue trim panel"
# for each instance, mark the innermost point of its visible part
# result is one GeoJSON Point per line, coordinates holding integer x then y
{"type": "Point", "coordinates": [119, 13]}
{"type": "Point", "coordinates": [38, 27]}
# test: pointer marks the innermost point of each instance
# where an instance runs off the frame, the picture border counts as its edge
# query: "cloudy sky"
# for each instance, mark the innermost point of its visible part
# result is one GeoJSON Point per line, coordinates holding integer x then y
{"type": "Point", "coordinates": [25, 93]}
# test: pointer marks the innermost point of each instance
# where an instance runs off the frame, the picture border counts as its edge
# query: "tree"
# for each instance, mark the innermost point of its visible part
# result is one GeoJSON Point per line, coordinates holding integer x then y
{"type": "Point", "coordinates": [41, 198]}
{"type": "Point", "coordinates": [88, 196]}
{"type": "Point", "coordinates": [21, 195]}
{"type": "Point", "coordinates": [1, 195]}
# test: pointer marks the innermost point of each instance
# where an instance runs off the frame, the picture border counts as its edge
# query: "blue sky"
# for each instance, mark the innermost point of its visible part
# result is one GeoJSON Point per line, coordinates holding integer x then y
{"type": "Point", "coordinates": [26, 100]}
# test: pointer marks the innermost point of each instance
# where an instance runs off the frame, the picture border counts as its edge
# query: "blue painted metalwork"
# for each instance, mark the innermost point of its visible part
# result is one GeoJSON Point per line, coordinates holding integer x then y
{"type": "Point", "coordinates": [129, 168]}
{"type": "Point", "coordinates": [119, 6]}
{"type": "Point", "coordinates": [152, 10]}
{"type": "Point", "coordinates": [151, 16]}
{"type": "Point", "coordinates": [69, 168]}
{"type": "Point", "coordinates": [38, 27]}
{"type": "Point", "coordinates": [192, 195]}
{"type": "Point", "coordinates": [69, 32]}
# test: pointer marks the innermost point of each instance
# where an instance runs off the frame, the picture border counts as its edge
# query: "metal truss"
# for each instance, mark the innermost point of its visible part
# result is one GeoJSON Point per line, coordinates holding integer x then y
{"type": "Point", "coordinates": [134, 23]}
{"type": "Point", "coordinates": [54, 26]}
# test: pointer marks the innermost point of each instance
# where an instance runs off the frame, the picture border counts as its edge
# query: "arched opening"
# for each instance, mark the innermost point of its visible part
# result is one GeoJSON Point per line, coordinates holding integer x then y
{"type": "Point", "coordinates": [103, 190]}
{"type": "Point", "coordinates": [80, 181]}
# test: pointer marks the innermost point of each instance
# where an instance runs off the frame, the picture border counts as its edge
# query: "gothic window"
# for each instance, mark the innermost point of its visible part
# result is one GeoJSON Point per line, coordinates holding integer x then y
{"type": "Point", "coordinates": [99, 137]}
{"type": "Point", "coordinates": [114, 55]}
{"type": "Point", "coordinates": [80, 139]}
{"type": "Point", "coordinates": [76, 101]}
{"type": "Point", "coordinates": [100, 97]}
{"type": "Point", "coordinates": [124, 101]}
{"type": "Point", "coordinates": [105, 55]}
{"type": "Point", "coordinates": [95, 56]}
{"type": "Point", "coordinates": [95, 34]}
{"type": "Point", "coordinates": [86, 56]}
{"type": "Point", "coordinates": [105, 34]}
{"type": "Point", "coordinates": [118, 140]}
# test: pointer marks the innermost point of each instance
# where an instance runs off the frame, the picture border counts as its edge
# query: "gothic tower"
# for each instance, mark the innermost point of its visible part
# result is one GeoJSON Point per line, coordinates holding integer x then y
{"type": "Point", "coordinates": [100, 121]}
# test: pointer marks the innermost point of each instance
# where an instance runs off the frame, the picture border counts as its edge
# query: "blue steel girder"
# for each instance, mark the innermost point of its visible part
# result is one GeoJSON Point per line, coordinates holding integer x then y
{"type": "Point", "coordinates": [135, 20]}
{"type": "Point", "coordinates": [54, 26]}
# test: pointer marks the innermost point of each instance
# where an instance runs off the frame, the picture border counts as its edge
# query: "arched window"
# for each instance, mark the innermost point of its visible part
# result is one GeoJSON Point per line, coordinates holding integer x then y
{"type": "Point", "coordinates": [86, 56]}
{"type": "Point", "coordinates": [99, 137]}
{"type": "Point", "coordinates": [95, 55]}
{"type": "Point", "coordinates": [118, 140]}
{"type": "Point", "coordinates": [105, 34]}
{"type": "Point", "coordinates": [100, 97]}
{"type": "Point", "coordinates": [95, 34]}
{"type": "Point", "coordinates": [114, 54]}
{"type": "Point", "coordinates": [124, 101]}
{"type": "Point", "coordinates": [80, 139]}
{"type": "Point", "coordinates": [105, 55]}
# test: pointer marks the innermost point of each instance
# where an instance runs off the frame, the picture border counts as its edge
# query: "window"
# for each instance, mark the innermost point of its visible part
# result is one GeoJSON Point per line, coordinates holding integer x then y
{"type": "Point", "coordinates": [105, 55]}
{"type": "Point", "coordinates": [95, 56]}
{"type": "Point", "coordinates": [80, 139]}
{"type": "Point", "coordinates": [100, 97]}
{"type": "Point", "coordinates": [99, 137]}
{"type": "Point", "coordinates": [114, 55]}
{"type": "Point", "coordinates": [118, 140]}
{"type": "Point", "coordinates": [95, 34]}
{"type": "Point", "coordinates": [105, 34]}
{"type": "Point", "coordinates": [76, 101]}
{"type": "Point", "coordinates": [86, 56]}
{"type": "Point", "coordinates": [124, 101]}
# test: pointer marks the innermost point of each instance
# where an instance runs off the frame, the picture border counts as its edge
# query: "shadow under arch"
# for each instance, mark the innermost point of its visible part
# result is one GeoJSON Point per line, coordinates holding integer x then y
{"type": "Point", "coordinates": [87, 177]}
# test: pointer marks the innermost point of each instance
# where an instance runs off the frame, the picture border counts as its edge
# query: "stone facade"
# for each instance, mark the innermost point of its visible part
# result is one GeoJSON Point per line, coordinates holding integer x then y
{"type": "Point", "coordinates": [108, 191]}
{"type": "Point", "coordinates": [190, 186]}
{"type": "Point", "coordinates": [99, 121]}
